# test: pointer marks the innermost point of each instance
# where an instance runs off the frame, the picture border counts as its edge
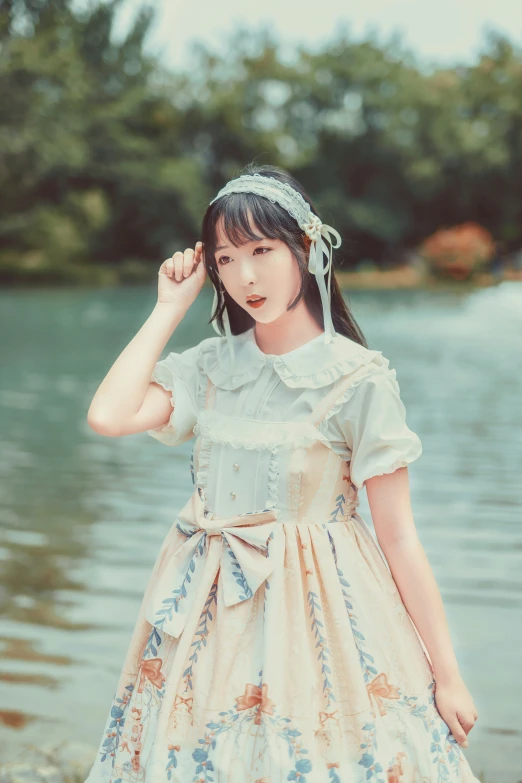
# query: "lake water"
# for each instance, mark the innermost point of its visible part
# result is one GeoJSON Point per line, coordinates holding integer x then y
{"type": "Point", "coordinates": [83, 516]}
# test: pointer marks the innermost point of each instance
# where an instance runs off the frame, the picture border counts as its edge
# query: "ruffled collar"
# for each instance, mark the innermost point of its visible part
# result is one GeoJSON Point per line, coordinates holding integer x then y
{"type": "Point", "coordinates": [312, 365]}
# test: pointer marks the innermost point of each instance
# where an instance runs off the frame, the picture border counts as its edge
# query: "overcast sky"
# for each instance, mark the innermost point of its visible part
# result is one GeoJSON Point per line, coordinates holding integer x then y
{"type": "Point", "coordinates": [444, 31]}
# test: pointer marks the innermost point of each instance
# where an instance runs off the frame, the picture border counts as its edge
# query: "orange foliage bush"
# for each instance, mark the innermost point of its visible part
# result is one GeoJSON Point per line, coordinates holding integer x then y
{"type": "Point", "coordinates": [458, 252]}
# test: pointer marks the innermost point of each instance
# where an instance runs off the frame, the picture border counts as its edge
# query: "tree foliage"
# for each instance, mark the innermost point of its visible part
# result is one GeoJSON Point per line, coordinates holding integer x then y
{"type": "Point", "coordinates": [105, 156]}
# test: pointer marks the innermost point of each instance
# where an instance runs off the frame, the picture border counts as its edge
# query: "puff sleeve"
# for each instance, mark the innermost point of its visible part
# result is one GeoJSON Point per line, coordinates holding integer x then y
{"type": "Point", "coordinates": [180, 374]}
{"type": "Point", "coordinates": [373, 423]}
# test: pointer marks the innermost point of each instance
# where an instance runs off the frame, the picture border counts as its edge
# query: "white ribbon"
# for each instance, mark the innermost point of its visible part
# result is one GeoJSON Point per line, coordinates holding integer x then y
{"type": "Point", "coordinates": [318, 232]}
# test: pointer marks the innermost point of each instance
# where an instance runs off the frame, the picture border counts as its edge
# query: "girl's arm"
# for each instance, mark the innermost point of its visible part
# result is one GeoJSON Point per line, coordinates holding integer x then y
{"type": "Point", "coordinates": [390, 506]}
{"type": "Point", "coordinates": [127, 401]}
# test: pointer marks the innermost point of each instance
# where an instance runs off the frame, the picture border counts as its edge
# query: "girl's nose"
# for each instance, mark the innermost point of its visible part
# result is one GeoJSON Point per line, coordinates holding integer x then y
{"type": "Point", "coordinates": [247, 274]}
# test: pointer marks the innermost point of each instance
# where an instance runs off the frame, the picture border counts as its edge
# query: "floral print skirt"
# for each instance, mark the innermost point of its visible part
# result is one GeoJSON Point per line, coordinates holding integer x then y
{"type": "Point", "coordinates": [317, 675]}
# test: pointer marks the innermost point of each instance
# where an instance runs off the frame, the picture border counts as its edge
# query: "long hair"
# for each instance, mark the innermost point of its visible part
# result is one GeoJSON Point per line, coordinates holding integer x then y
{"type": "Point", "coordinates": [276, 223]}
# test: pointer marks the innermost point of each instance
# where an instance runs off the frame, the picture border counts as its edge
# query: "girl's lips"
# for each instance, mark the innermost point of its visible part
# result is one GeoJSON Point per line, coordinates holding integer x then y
{"type": "Point", "coordinates": [257, 302]}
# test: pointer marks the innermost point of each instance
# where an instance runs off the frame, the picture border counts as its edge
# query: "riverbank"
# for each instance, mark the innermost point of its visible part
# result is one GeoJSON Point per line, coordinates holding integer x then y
{"type": "Point", "coordinates": [65, 762]}
{"type": "Point", "coordinates": [139, 273]}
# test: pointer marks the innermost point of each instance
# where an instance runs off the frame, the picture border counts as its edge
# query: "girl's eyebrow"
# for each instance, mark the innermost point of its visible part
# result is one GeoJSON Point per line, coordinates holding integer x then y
{"type": "Point", "coordinates": [261, 239]}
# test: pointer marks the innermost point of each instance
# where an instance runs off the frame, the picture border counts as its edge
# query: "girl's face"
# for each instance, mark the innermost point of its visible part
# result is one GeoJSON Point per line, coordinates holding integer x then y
{"type": "Point", "coordinates": [264, 268]}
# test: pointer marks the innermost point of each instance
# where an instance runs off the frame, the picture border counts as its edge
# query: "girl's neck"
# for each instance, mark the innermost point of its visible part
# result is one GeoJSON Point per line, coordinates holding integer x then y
{"type": "Point", "coordinates": [293, 329]}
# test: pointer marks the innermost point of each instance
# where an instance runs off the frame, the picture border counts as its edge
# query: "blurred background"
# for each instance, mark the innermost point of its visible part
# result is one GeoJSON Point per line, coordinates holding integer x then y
{"type": "Point", "coordinates": [119, 123]}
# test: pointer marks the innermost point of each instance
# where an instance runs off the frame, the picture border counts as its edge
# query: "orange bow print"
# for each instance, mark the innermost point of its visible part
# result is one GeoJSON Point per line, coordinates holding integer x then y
{"type": "Point", "coordinates": [379, 688]}
{"type": "Point", "coordinates": [151, 670]}
{"type": "Point", "coordinates": [180, 700]}
{"type": "Point", "coordinates": [323, 716]}
{"type": "Point", "coordinates": [254, 695]}
{"type": "Point", "coordinates": [331, 764]}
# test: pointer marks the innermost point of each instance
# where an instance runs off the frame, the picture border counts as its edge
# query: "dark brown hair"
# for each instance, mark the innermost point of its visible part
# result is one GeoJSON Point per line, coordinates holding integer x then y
{"type": "Point", "coordinates": [276, 223]}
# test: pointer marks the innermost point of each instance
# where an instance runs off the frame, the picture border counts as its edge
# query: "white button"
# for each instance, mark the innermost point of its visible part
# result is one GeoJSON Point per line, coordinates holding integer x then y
{"type": "Point", "coordinates": [233, 495]}
{"type": "Point", "coordinates": [235, 466]}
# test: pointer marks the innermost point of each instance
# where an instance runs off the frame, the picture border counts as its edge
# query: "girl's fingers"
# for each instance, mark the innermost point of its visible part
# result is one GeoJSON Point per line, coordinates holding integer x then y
{"type": "Point", "coordinates": [178, 266]}
{"type": "Point", "coordinates": [181, 264]}
{"type": "Point", "coordinates": [467, 722]}
{"type": "Point", "coordinates": [457, 731]}
{"type": "Point", "coordinates": [188, 261]}
{"type": "Point", "coordinates": [164, 268]}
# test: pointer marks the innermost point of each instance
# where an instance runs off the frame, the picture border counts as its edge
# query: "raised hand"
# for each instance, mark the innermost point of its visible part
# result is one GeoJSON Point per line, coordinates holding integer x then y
{"type": "Point", "coordinates": [181, 277]}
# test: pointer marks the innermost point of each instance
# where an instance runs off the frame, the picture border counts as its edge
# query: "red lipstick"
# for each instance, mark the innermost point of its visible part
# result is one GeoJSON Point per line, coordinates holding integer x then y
{"type": "Point", "coordinates": [257, 302]}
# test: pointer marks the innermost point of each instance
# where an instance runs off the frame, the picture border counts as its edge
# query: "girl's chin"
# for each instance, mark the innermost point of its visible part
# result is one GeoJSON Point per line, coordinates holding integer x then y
{"type": "Point", "coordinates": [262, 318]}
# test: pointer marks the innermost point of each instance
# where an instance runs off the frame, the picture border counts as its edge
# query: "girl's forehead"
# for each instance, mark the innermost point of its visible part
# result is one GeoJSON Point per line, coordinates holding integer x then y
{"type": "Point", "coordinates": [222, 240]}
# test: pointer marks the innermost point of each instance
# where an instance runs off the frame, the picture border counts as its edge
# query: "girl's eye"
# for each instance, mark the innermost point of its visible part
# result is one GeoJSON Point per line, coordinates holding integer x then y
{"type": "Point", "coordinates": [221, 262]}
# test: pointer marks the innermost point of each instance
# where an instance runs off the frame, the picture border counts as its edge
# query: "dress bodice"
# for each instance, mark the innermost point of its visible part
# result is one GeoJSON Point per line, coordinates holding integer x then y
{"type": "Point", "coordinates": [296, 470]}
{"type": "Point", "coordinates": [298, 433]}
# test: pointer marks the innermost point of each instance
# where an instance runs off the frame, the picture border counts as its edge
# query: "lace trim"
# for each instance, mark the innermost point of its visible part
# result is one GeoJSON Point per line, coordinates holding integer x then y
{"type": "Point", "coordinates": [273, 481]}
{"type": "Point", "coordinates": [256, 434]}
{"type": "Point", "coordinates": [400, 462]}
{"type": "Point", "coordinates": [203, 466]}
{"type": "Point", "coordinates": [167, 432]}
{"type": "Point", "coordinates": [346, 395]}
{"type": "Point", "coordinates": [215, 363]}
{"type": "Point", "coordinates": [330, 374]}
{"type": "Point", "coordinates": [272, 189]}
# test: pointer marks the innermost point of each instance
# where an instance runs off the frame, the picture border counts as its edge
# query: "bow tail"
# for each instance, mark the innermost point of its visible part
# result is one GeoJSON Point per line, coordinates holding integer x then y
{"type": "Point", "coordinates": [174, 587]}
{"type": "Point", "coordinates": [230, 342]}
{"type": "Point", "coordinates": [320, 271]}
{"type": "Point", "coordinates": [214, 305]}
{"type": "Point", "coordinates": [245, 561]}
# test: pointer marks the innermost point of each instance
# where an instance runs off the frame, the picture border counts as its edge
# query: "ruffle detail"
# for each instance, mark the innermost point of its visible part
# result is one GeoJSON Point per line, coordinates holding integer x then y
{"type": "Point", "coordinates": [327, 376]}
{"type": "Point", "coordinates": [400, 462]}
{"type": "Point", "coordinates": [215, 362]}
{"type": "Point", "coordinates": [166, 377]}
{"type": "Point", "coordinates": [256, 434]}
{"type": "Point", "coordinates": [273, 481]}
{"type": "Point", "coordinates": [203, 466]}
{"type": "Point", "coordinates": [311, 366]}
{"type": "Point", "coordinates": [170, 433]}
{"type": "Point", "coordinates": [373, 365]}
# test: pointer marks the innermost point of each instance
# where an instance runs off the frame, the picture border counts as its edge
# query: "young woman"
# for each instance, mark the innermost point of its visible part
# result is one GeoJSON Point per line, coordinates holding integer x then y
{"type": "Point", "coordinates": [276, 639]}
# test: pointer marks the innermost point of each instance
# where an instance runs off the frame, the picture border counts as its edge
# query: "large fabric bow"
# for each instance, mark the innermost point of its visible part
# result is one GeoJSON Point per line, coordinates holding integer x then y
{"type": "Point", "coordinates": [238, 546]}
{"type": "Point", "coordinates": [318, 232]}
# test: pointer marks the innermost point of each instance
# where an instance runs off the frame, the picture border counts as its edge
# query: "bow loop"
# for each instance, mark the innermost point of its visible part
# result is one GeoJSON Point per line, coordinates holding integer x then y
{"type": "Point", "coordinates": [237, 546]}
{"type": "Point", "coordinates": [312, 226]}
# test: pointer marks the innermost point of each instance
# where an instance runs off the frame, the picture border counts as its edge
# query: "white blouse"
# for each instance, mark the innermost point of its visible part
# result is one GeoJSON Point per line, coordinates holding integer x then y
{"type": "Point", "coordinates": [366, 427]}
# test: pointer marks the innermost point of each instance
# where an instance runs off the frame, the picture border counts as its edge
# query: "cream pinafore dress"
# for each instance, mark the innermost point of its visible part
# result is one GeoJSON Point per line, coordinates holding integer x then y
{"type": "Point", "coordinates": [272, 645]}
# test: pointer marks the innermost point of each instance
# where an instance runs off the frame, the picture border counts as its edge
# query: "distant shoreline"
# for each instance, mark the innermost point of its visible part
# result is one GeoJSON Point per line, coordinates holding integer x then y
{"type": "Point", "coordinates": [140, 273]}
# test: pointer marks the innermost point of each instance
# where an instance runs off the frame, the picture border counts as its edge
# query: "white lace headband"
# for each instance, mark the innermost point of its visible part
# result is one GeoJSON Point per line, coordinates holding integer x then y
{"type": "Point", "coordinates": [288, 198]}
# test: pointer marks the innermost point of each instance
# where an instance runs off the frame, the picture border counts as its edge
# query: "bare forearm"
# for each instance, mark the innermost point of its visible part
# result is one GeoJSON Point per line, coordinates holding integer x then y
{"type": "Point", "coordinates": [122, 391]}
{"type": "Point", "coordinates": [419, 591]}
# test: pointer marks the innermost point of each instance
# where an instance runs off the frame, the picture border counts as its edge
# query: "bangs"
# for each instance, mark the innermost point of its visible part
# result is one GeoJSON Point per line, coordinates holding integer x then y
{"type": "Point", "coordinates": [241, 213]}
